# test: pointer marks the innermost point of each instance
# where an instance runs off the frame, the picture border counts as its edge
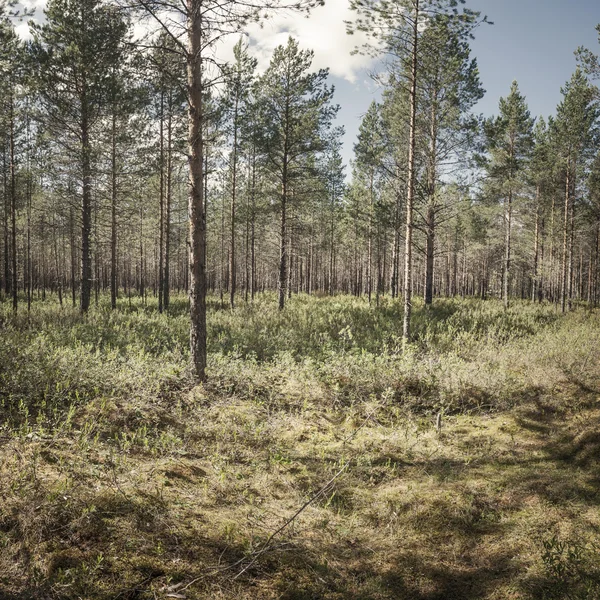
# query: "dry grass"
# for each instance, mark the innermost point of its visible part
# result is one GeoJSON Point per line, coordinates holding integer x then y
{"type": "Point", "coordinates": [133, 495]}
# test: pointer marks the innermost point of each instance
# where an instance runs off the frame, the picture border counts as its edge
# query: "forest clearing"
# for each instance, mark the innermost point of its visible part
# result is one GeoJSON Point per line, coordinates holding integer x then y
{"type": "Point", "coordinates": [120, 479]}
{"type": "Point", "coordinates": [256, 344]}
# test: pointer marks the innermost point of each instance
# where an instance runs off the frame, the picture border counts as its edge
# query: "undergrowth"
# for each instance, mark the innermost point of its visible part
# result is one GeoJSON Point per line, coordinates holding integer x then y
{"type": "Point", "coordinates": [121, 479]}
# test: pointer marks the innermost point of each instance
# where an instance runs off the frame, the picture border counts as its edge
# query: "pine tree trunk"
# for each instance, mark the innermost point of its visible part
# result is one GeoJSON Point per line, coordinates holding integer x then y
{"type": "Point", "coordinates": [142, 263]}
{"type": "Point", "coordinates": [28, 258]}
{"type": "Point", "coordinates": [507, 251]}
{"type": "Point", "coordinates": [410, 180]}
{"type": "Point", "coordinates": [13, 206]}
{"type": "Point", "coordinates": [161, 206]}
{"type": "Point", "coordinates": [282, 285]}
{"type": "Point", "coordinates": [536, 246]}
{"type": "Point", "coordinates": [168, 194]}
{"type": "Point", "coordinates": [7, 277]}
{"type": "Point", "coordinates": [253, 232]}
{"type": "Point", "coordinates": [370, 241]}
{"type": "Point", "coordinates": [86, 205]}
{"type": "Point", "coordinates": [197, 215]}
{"type": "Point", "coordinates": [113, 213]}
{"type": "Point", "coordinates": [232, 264]}
{"type": "Point", "coordinates": [564, 282]}
{"type": "Point", "coordinates": [571, 243]}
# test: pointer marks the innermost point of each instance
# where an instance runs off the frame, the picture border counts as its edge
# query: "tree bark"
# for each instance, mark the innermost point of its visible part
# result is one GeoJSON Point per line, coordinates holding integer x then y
{"type": "Point", "coordinates": [232, 264]}
{"type": "Point", "coordinates": [113, 213]}
{"type": "Point", "coordinates": [13, 205]}
{"type": "Point", "coordinates": [161, 226]}
{"type": "Point", "coordinates": [196, 212]}
{"type": "Point", "coordinates": [168, 194]}
{"type": "Point", "coordinates": [536, 246]}
{"type": "Point", "coordinates": [86, 205]}
{"type": "Point", "coordinates": [564, 284]}
{"type": "Point", "coordinates": [410, 194]}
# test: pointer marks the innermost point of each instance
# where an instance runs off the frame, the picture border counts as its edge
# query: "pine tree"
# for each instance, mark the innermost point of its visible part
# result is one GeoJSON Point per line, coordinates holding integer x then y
{"type": "Point", "coordinates": [75, 52]}
{"type": "Point", "coordinates": [296, 113]}
{"type": "Point", "coordinates": [509, 143]}
{"type": "Point", "coordinates": [369, 151]}
{"type": "Point", "coordinates": [11, 75]}
{"type": "Point", "coordinates": [572, 133]}
{"type": "Point", "coordinates": [240, 76]}
{"type": "Point", "coordinates": [396, 29]}
{"type": "Point", "coordinates": [449, 89]}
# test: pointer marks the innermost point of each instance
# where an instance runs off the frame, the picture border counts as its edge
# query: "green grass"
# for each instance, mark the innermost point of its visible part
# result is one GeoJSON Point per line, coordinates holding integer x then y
{"type": "Point", "coordinates": [120, 479]}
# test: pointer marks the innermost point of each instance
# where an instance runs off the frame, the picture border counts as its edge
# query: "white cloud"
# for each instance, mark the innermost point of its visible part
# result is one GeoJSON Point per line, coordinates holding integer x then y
{"type": "Point", "coordinates": [22, 30]}
{"type": "Point", "coordinates": [323, 31]}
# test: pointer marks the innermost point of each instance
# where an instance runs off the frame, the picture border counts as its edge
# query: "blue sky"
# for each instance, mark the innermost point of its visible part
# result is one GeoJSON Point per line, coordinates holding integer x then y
{"type": "Point", "coordinates": [531, 41]}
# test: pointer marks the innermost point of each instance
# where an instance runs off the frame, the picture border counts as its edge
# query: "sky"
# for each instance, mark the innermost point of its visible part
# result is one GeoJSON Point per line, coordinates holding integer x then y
{"type": "Point", "coordinates": [531, 41]}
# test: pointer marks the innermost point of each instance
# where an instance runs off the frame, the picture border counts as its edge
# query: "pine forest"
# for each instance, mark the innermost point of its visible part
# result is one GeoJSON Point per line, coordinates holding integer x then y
{"type": "Point", "coordinates": [246, 353]}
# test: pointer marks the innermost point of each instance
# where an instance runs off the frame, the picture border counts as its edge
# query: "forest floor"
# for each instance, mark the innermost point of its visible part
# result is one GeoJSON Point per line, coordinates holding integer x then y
{"type": "Point", "coordinates": [120, 480]}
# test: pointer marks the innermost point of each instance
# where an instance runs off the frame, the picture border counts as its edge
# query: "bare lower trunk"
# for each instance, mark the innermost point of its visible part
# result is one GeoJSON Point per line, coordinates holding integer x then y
{"type": "Point", "coordinates": [86, 208]}
{"type": "Point", "coordinates": [197, 216]}
{"type": "Point", "coordinates": [13, 208]}
{"type": "Point", "coordinates": [536, 247]}
{"type": "Point", "coordinates": [410, 182]}
{"type": "Point", "coordinates": [429, 254]}
{"type": "Point", "coordinates": [564, 284]}
{"type": "Point", "coordinates": [507, 251]}
{"type": "Point", "coordinates": [282, 285]}
{"type": "Point", "coordinates": [113, 211]}
{"type": "Point", "coordinates": [232, 257]}
{"type": "Point", "coordinates": [168, 194]}
{"type": "Point", "coordinates": [161, 207]}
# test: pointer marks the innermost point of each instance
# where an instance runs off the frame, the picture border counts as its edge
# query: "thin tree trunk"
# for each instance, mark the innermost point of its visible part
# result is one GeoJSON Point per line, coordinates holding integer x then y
{"type": "Point", "coordinates": [113, 214]}
{"type": "Point", "coordinates": [564, 283]}
{"type": "Point", "coordinates": [7, 277]}
{"type": "Point", "coordinates": [13, 205]}
{"type": "Point", "coordinates": [232, 264]}
{"type": "Point", "coordinates": [86, 205]}
{"type": "Point", "coordinates": [197, 215]}
{"type": "Point", "coordinates": [410, 180]}
{"type": "Point", "coordinates": [161, 226]}
{"type": "Point", "coordinates": [370, 240]}
{"type": "Point", "coordinates": [536, 246]}
{"type": "Point", "coordinates": [507, 251]}
{"type": "Point", "coordinates": [283, 246]}
{"type": "Point", "coordinates": [168, 194]}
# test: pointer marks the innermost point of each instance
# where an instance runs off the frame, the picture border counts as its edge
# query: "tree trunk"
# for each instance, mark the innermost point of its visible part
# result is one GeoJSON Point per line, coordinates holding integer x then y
{"type": "Point", "coordinates": [282, 285]}
{"type": "Point", "coordinates": [113, 214]}
{"type": "Point", "coordinates": [197, 215]}
{"type": "Point", "coordinates": [161, 225]}
{"type": "Point", "coordinates": [232, 265]}
{"type": "Point", "coordinates": [7, 277]}
{"type": "Point", "coordinates": [86, 205]}
{"type": "Point", "coordinates": [13, 205]}
{"type": "Point", "coordinates": [410, 180]}
{"type": "Point", "coordinates": [507, 251]}
{"type": "Point", "coordinates": [429, 253]}
{"type": "Point", "coordinates": [564, 284]}
{"type": "Point", "coordinates": [536, 246]}
{"type": "Point", "coordinates": [168, 194]}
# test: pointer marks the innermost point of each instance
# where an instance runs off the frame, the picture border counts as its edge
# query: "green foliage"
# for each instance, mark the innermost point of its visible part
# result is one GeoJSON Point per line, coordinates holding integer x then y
{"type": "Point", "coordinates": [118, 473]}
{"type": "Point", "coordinates": [572, 567]}
{"type": "Point", "coordinates": [341, 348]}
